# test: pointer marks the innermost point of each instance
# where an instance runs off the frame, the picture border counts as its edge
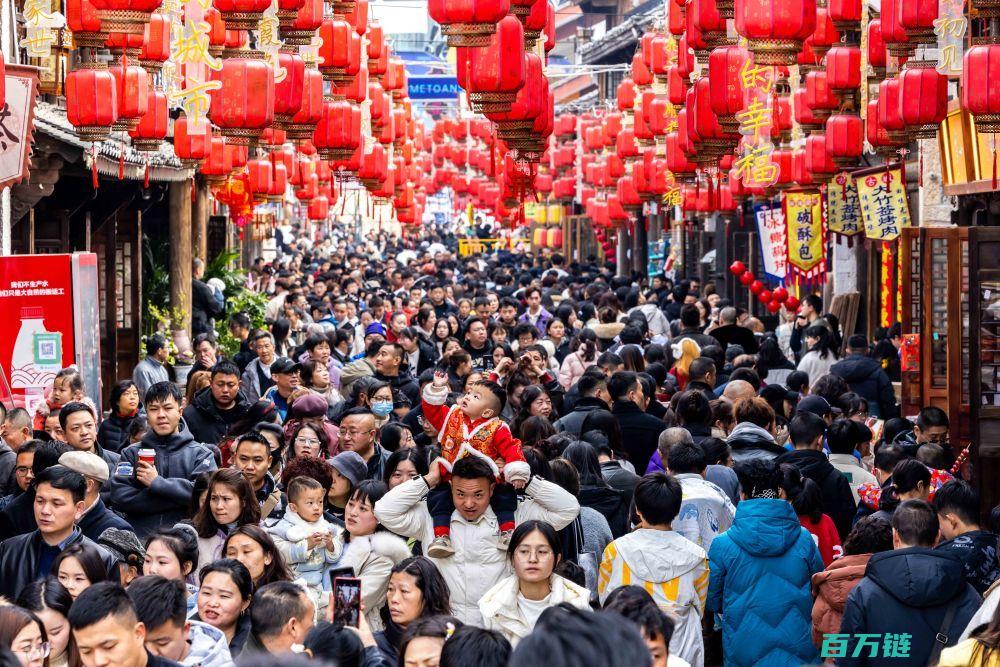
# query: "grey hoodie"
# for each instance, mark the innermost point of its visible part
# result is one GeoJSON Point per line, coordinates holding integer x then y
{"type": "Point", "coordinates": [208, 647]}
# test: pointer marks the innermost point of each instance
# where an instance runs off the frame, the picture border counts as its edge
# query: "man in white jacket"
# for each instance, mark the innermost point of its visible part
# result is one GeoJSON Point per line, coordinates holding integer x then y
{"type": "Point", "coordinates": [477, 564]}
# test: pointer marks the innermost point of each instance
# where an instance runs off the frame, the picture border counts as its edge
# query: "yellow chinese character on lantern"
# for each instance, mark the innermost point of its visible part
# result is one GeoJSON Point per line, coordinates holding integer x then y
{"type": "Point", "coordinates": [195, 100]}
{"type": "Point", "coordinates": [271, 45]}
{"type": "Point", "coordinates": [755, 167]}
{"type": "Point", "coordinates": [756, 77]}
{"type": "Point", "coordinates": [38, 42]}
{"type": "Point", "coordinates": [190, 45]}
{"type": "Point", "coordinates": [34, 13]}
{"type": "Point", "coordinates": [673, 197]}
{"type": "Point", "coordinates": [754, 118]}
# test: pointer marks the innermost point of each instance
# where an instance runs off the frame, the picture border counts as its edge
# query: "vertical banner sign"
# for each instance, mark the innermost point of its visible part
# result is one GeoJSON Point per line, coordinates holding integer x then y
{"type": "Point", "coordinates": [886, 280]}
{"type": "Point", "coordinates": [40, 25]}
{"type": "Point", "coordinates": [843, 206]}
{"type": "Point", "coordinates": [753, 163]}
{"type": "Point", "coordinates": [884, 207]}
{"type": "Point", "coordinates": [16, 124]}
{"type": "Point", "coordinates": [189, 54]}
{"type": "Point", "coordinates": [950, 27]}
{"type": "Point", "coordinates": [773, 244]}
{"type": "Point", "coordinates": [806, 237]}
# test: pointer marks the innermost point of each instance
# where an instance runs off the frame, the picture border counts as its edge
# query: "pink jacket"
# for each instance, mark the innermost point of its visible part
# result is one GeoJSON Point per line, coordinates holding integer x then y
{"type": "Point", "coordinates": [572, 369]}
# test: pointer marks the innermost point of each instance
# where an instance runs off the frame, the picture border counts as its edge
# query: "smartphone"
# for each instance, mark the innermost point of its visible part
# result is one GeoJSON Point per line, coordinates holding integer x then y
{"type": "Point", "coordinates": [347, 601]}
{"type": "Point", "coordinates": [340, 572]}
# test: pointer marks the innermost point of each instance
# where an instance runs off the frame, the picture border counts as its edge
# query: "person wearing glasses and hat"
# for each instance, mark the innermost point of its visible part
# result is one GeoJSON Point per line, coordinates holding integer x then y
{"type": "Point", "coordinates": [285, 374]}
{"type": "Point", "coordinates": [97, 518]}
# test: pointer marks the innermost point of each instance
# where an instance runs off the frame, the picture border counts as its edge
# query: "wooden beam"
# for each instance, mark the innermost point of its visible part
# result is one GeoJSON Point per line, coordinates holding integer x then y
{"type": "Point", "coordinates": [199, 228]}
{"type": "Point", "coordinates": [180, 250]}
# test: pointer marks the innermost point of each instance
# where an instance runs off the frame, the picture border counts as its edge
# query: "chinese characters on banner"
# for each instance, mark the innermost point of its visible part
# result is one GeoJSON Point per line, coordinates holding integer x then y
{"type": "Point", "coordinates": [190, 61]}
{"type": "Point", "coordinates": [887, 265]}
{"type": "Point", "coordinates": [843, 206]}
{"type": "Point", "coordinates": [950, 28]}
{"type": "Point", "coordinates": [753, 163]}
{"type": "Point", "coordinates": [806, 236]}
{"type": "Point", "coordinates": [884, 207]}
{"type": "Point", "coordinates": [773, 243]}
{"type": "Point", "coordinates": [40, 26]}
{"type": "Point", "coordinates": [21, 84]}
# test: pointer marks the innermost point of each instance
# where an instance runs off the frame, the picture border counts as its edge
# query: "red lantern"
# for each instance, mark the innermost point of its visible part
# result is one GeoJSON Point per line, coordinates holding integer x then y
{"type": "Point", "coordinates": [156, 43]}
{"type": "Point", "coordinates": [242, 14]}
{"type": "Point", "coordinates": [737, 268]}
{"type": "Point", "coordinates": [889, 113]}
{"type": "Point", "coordinates": [244, 105]}
{"type": "Point", "coordinates": [340, 52]}
{"type": "Point", "coordinates": [775, 29]}
{"type": "Point", "coordinates": [492, 75]}
{"type": "Point", "coordinates": [773, 306]}
{"type": "Point", "coordinates": [83, 21]}
{"type": "Point", "coordinates": [980, 77]}
{"type": "Point", "coordinates": [260, 172]}
{"type": "Point", "coordinates": [764, 295]}
{"type": "Point", "coordinates": [625, 94]}
{"type": "Point", "coordinates": [779, 295]}
{"type": "Point", "coordinates": [289, 91]}
{"type": "Point", "coordinates": [319, 208]}
{"type": "Point", "coordinates": [152, 128]}
{"type": "Point", "coordinates": [303, 123]}
{"type": "Point", "coordinates": [218, 163]}
{"type": "Point", "coordinates": [191, 146]}
{"type": "Point", "coordinates": [845, 138]}
{"type": "Point", "coordinates": [131, 86]}
{"type": "Point", "coordinates": [279, 182]}
{"type": "Point", "coordinates": [923, 98]}
{"type": "Point", "coordinates": [747, 278]}
{"type": "Point", "coordinates": [818, 161]}
{"type": "Point", "coordinates": [843, 69]}
{"type": "Point", "coordinates": [893, 32]}
{"type": "Point", "coordinates": [724, 67]}
{"type": "Point", "coordinates": [338, 133]}
{"type": "Point", "coordinates": [468, 22]}
{"type": "Point", "coordinates": [876, 48]}
{"type": "Point", "coordinates": [845, 14]}
{"type": "Point", "coordinates": [824, 36]}
{"type": "Point", "coordinates": [820, 99]}
{"type": "Point", "coordinates": [298, 28]}
{"type": "Point", "coordinates": [792, 304]}
{"type": "Point", "coordinates": [125, 16]}
{"type": "Point", "coordinates": [756, 287]}
{"type": "Point", "coordinates": [917, 18]}
{"type": "Point", "coordinates": [91, 101]}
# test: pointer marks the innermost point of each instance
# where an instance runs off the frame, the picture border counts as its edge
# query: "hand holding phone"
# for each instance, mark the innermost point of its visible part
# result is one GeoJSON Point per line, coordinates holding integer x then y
{"type": "Point", "coordinates": [347, 601]}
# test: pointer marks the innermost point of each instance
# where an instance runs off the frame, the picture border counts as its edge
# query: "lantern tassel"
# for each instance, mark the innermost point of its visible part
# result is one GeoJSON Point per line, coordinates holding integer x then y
{"type": "Point", "coordinates": [920, 172]}
{"type": "Point", "coordinates": [194, 189]}
{"type": "Point", "coordinates": [93, 165]}
{"type": "Point", "coordinates": [121, 165]}
{"type": "Point", "coordinates": [145, 178]}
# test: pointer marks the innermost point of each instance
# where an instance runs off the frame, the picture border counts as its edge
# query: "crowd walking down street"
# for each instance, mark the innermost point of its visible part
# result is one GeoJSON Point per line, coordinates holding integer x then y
{"type": "Point", "coordinates": [423, 459]}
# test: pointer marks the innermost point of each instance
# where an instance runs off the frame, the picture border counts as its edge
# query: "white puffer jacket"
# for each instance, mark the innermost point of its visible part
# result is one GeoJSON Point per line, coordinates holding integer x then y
{"type": "Point", "coordinates": [502, 613]}
{"type": "Point", "coordinates": [477, 564]}
{"type": "Point", "coordinates": [373, 557]}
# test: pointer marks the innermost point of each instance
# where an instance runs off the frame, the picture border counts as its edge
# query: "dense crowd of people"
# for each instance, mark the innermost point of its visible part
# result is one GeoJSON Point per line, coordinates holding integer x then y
{"type": "Point", "coordinates": [523, 460]}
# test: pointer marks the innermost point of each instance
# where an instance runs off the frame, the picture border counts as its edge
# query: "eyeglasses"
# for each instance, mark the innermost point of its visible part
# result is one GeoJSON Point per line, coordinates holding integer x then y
{"type": "Point", "coordinates": [39, 651]}
{"type": "Point", "coordinates": [352, 434]}
{"type": "Point", "coordinates": [22, 470]}
{"type": "Point", "coordinates": [528, 552]}
{"type": "Point", "coordinates": [307, 441]}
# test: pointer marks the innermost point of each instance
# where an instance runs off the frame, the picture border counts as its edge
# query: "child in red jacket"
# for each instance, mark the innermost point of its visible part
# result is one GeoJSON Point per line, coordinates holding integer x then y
{"type": "Point", "coordinates": [472, 427]}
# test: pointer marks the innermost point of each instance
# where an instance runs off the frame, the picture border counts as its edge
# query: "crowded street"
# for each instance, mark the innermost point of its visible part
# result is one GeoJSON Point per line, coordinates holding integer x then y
{"type": "Point", "coordinates": [499, 333]}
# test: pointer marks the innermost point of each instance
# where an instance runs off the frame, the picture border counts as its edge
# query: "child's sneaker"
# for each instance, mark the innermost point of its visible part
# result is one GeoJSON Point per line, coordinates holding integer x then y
{"type": "Point", "coordinates": [504, 540]}
{"type": "Point", "coordinates": [441, 547]}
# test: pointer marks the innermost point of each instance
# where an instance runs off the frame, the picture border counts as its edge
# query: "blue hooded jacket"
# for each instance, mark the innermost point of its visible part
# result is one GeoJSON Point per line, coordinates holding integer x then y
{"type": "Point", "coordinates": [761, 570]}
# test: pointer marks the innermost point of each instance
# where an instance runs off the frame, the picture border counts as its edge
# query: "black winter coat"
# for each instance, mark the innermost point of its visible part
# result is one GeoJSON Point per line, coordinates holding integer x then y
{"type": "Point", "coordinates": [113, 432]}
{"type": "Point", "coordinates": [98, 519]}
{"type": "Point", "coordinates": [404, 384]}
{"type": "Point", "coordinates": [866, 378]}
{"type": "Point", "coordinates": [204, 307]}
{"type": "Point", "coordinates": [640, 432]}
{"type": "Point", "coordinates": [18, 517]}
{"type": "Point", "coordinates": [611, 503]}
{"type": "Point", "coordinates": [838, 500]}
{"type": "Point", "coordinates": [19, 560]}
{"type": "Point", "coordinates": [734, 334]}
{"type": "Point", "coordinates": [206, 422]}
{"type": "Point", "coordinates": [907, 591]}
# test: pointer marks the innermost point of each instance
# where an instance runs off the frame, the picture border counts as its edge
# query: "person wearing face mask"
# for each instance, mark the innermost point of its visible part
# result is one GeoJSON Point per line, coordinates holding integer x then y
{"type": "Point", "coordinates": [230, 503]}
{"type": "Point", "coordinates": [381, 403]}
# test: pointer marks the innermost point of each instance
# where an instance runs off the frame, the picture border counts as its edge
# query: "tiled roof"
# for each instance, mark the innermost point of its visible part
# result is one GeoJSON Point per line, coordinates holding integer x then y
{"type": "Point", "coordinates": [163, 165]}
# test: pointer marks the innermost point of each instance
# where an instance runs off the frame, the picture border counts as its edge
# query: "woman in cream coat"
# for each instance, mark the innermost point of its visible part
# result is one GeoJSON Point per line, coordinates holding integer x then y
{"type": "Point", "coordinates": [513, 605]}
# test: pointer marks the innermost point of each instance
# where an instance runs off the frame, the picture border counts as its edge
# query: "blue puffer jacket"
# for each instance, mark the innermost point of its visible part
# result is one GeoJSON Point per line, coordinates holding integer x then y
{"type": "Point", "coordinates": [760, 582]}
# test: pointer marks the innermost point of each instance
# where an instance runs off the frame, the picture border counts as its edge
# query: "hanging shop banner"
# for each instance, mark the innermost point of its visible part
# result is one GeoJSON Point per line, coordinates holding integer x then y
{"type": "Point", "coordinates": [806, 240]}
{"type": "Point", "coordinates": [773, 243]}
{"type": "Point", "coordinates": [16, 123]}
{"type": "Point", "coordinates": [884, 207]}
{"type": "Point", "coordinates": [843, 206]}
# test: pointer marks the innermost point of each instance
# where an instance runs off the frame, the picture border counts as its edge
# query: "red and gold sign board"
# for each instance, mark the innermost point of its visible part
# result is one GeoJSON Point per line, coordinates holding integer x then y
{"type": "Point", "coordinates": [806, 236]}
{"type": "Point", "coordinates": [884, 206]}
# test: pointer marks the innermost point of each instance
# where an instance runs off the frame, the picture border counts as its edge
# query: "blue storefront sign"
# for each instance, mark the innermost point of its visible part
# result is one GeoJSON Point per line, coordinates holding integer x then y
{"type": "Point", "coordinates": [431, 88]}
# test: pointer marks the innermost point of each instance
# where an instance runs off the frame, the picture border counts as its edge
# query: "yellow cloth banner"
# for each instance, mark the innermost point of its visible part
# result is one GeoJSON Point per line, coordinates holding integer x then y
{"type": "Point", "coordinates": [884, 207]}
{"type": "Point", "coordinates": [806, 240]}
{"type": "Point", "coordinates": [468, 247]}
{"type": "Point", "coordinates": [843, 208]}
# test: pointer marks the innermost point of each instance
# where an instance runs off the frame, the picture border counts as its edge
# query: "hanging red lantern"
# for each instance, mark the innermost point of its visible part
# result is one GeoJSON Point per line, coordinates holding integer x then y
{"type": "Point", "coordinates": [980, 77]}
{"type": "Point", "coordinates": [773, 306]}
{"type": "Point", "coordinates": [756, 287]}
{"type": "Point", "coordinates": [917, 17]}
{"type": "Point", "coordinates": [824, 36]}
{"type": "Point", "coordinates": [299, 27]}
{"type": "Point", "coordinates": [889, 113]}
{"type": "Point", "coordinates": [724, 67]}
{"type": "Point", "coordinates": [764, 296]}
{"type": "Point", "coordinates": [705, 15]}
{"type": "Point", "coordinates": [845, 14]}
{"type": "Point", "coordinates": [152, 128]}
{"type": "Point", "coordinates": [876, 133]}
{"type": "Point", "coordinates": [338, 133]}
{"type": "Point", "coordinates": [191, 145]}
{"type": "Point", "coordinates": [303, 123]}
{"type": "Point", "coordinates": [244, 105]}
{"type": "Point", "coordinates": [820, 99]}
{"type": "Point", "coordinates": [550, 27]}
{"type": "Point", "coordinates": [534, 22]}
{"type": "Point", "coordinates": [819, 164]}
{"type": "Point", "coordinates": [241, 14]}
{"type": "Point", "coordinates": [218, 163]}
{"type": "Point", "coordinates": [131, 86]}
{"type": "Point", "coordinates": [923, 98]}
{"type": "Point", "coordinates": [775, 29]}
{"type": "Point", "coordinates": [845, 139]}
{"type": "Point", "coordinates": [747, 278]}
{"type": "Point", "coordinates": [876, 48]}
{"type": "Point", "coordinates": [625, 94]}
{"type": "Point", "coordinates": [156, 43]}
{"type": "Point", "coordinates": [468, 22]}
{"type": "Point", "coordinates": [779, 295]}
{"type": "Point", "coordinates": [737, 268]}
{"type": "Point", "coordinates": [843, 69]}
{"type": "Point", "coordinates": [340, 52]}
{"type": "Point", "coordinates": [355, 90]}
{"type": "Point", "coordinates": [279, 182]}
{"type": "Point", "coordinates": [792, 304]}
{"type": "Point", "coordinates": [492, 75]}
{"type": "Point", "coordinates": [319, 208]}
{"type": "Point", "coordinates": [260, 172]}
{"type": "Point", "coordinates": [676, 18]}
{"type": "Point", "coordinates": [896, 40]}
{"type": "Point", "coordinates": [91, 100]}
{"type": "Point", "coordinates": [289, 91]}
{"type": "Point", "coordinates": [83, 21]}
